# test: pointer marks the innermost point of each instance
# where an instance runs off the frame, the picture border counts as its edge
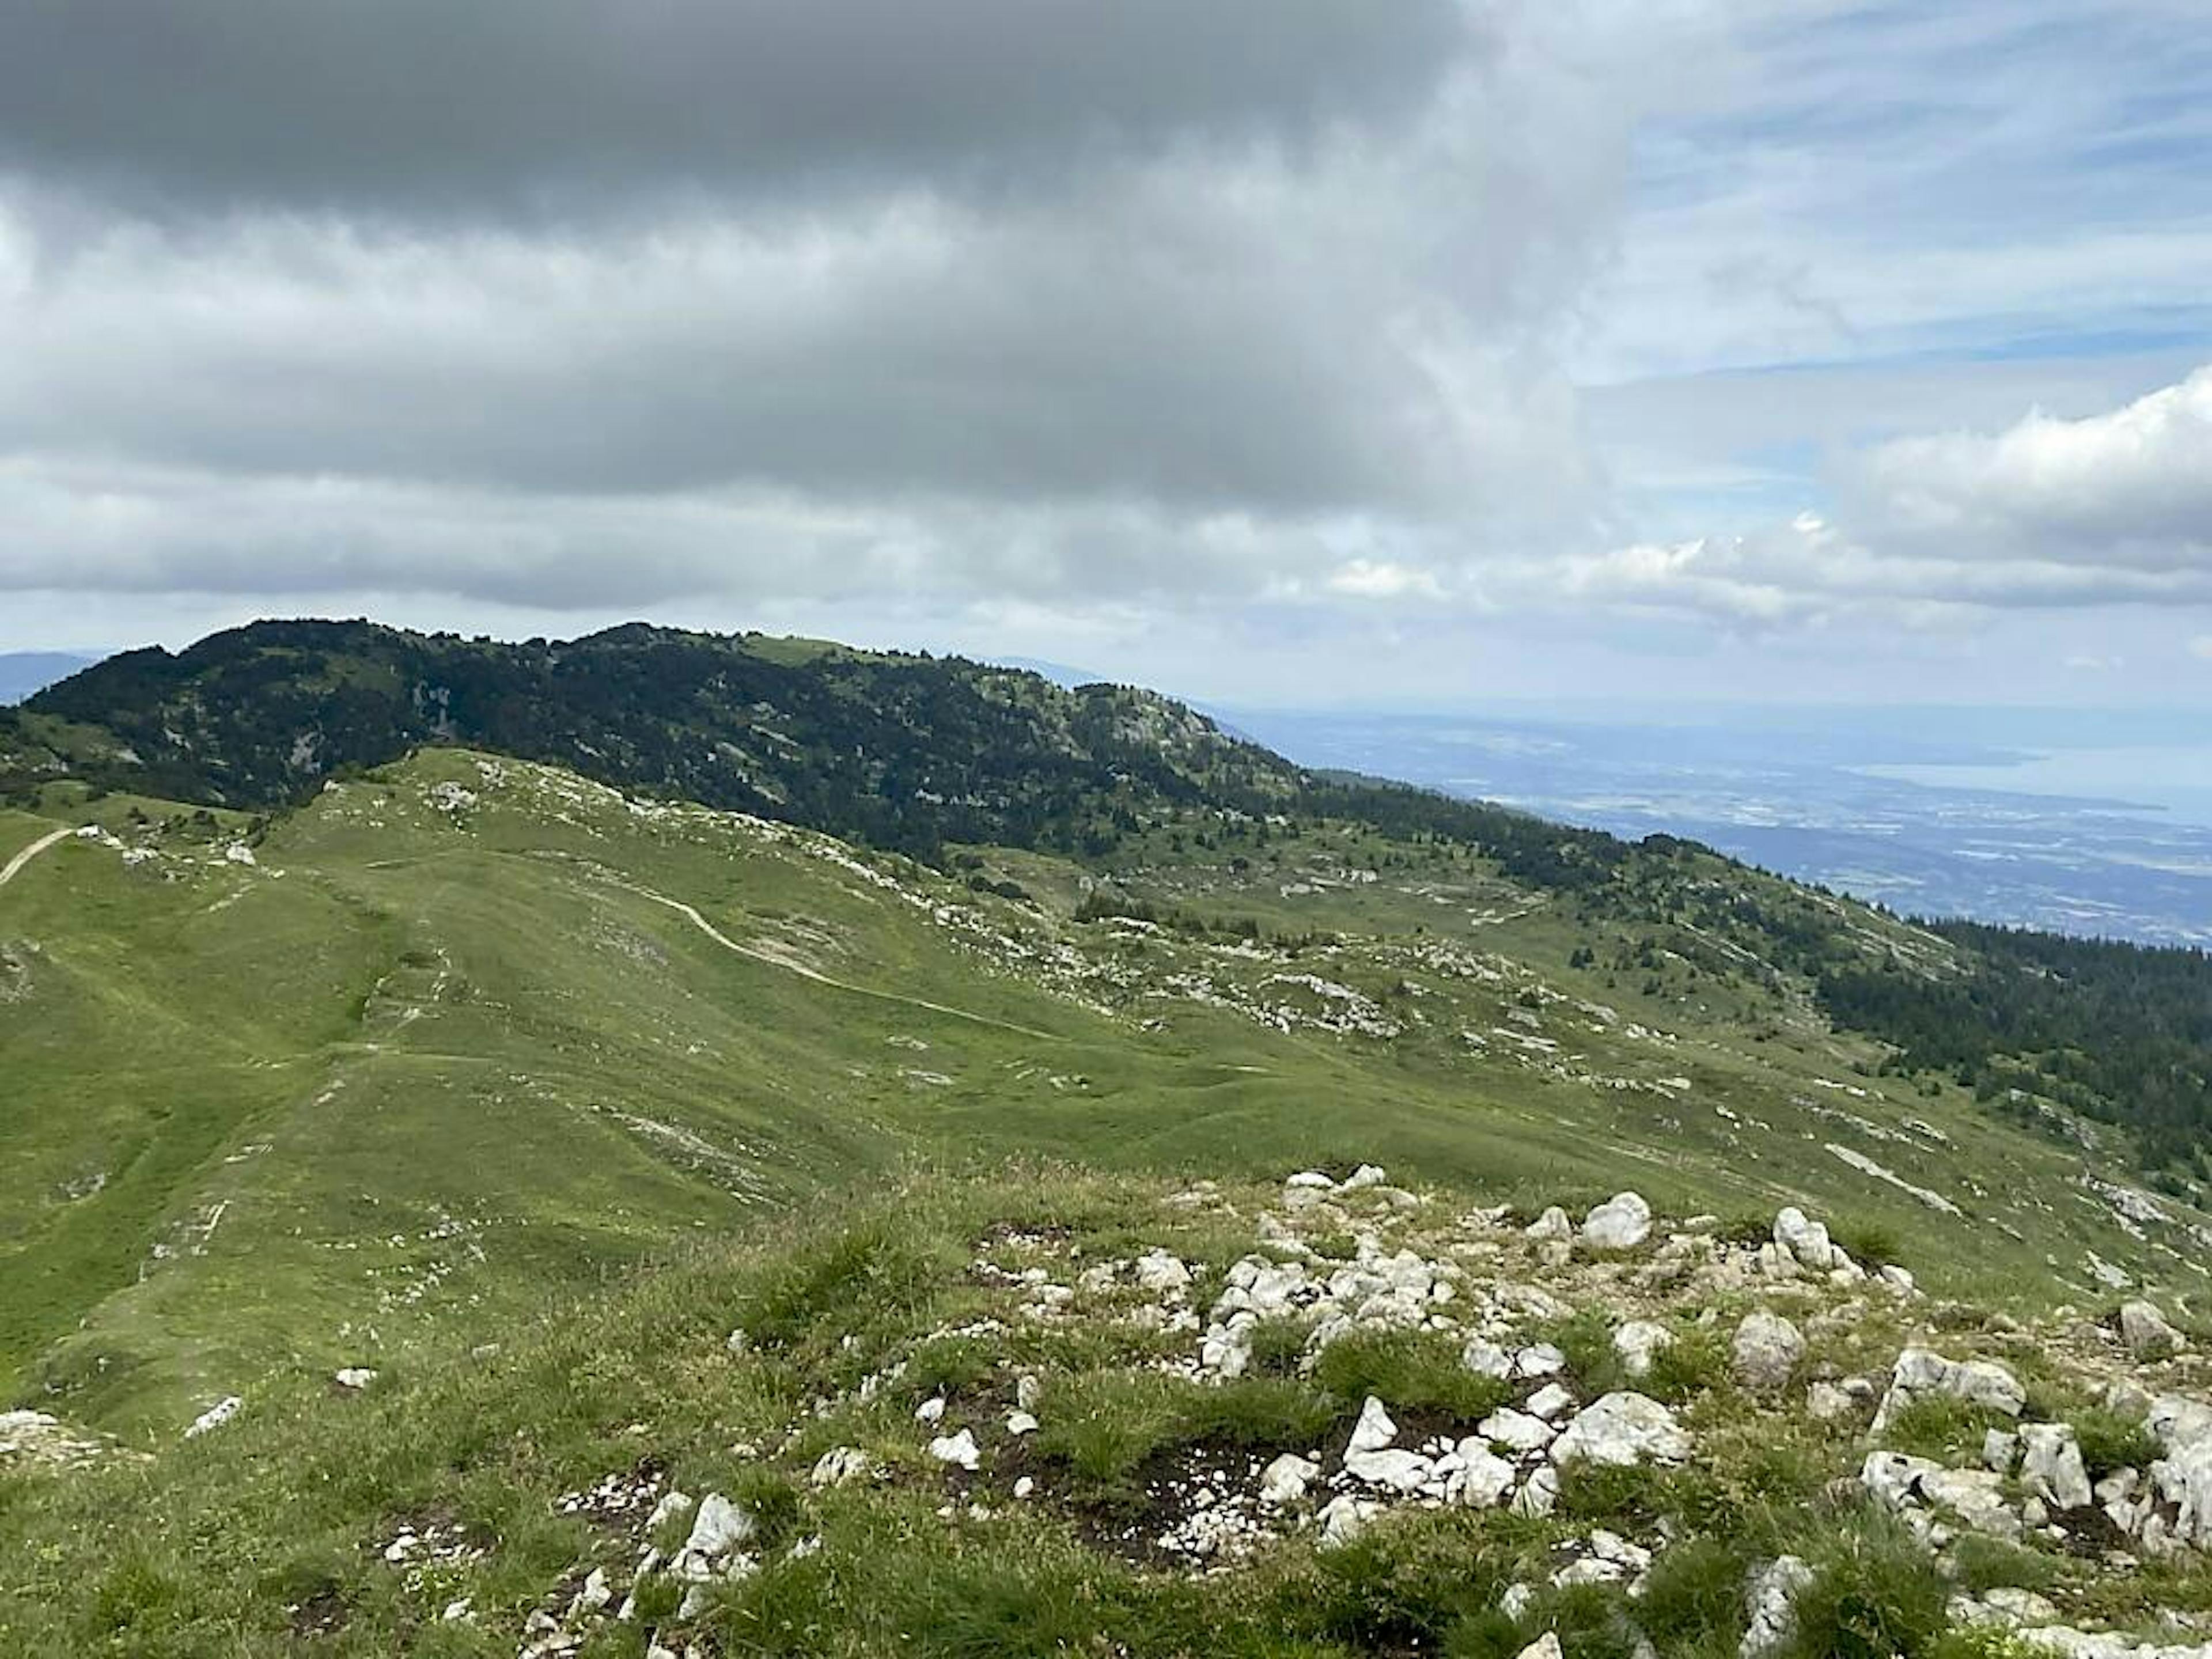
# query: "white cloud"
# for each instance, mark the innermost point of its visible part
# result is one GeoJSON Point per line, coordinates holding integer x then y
{"type": "Point", "coordinates": [2129, 489]}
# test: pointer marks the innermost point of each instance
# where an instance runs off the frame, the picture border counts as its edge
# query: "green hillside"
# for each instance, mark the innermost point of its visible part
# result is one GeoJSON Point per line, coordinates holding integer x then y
{"type": "Point", "coordinates": [421, 1164]}
{"type": "Point", "coordinates": [467, 1031]}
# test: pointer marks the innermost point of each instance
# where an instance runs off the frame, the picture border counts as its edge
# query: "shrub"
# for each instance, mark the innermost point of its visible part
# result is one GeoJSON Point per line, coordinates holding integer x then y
{"type": "Point", "coordinates": [1630, 1496]}
{"type": "Point", "coordinates": [2110, 1442]}
{"type": "Point", "coordinates": [1592, 1621]}
{"type": "Point", "coordinates": [1278, 1345]}
{"type": "Point", "coordinates": [1410, 1369]}
{"type": "Point", "coordinates": [1258, 1413]}
{"type": "Point", "coordinates": [1695, 1361]}
{"type": "Point", "coordinates": [1586, 1339]}
{"type": "Point", "coordinates": [1982, 1562]}
{"type": "Point", "coordinates": [1943, 1427]}
{"type": "Point", "coordinates": [1876, 1594]}
{"type": "Point", "coordinates": [1404, 1583]}
{"type": "Point", "coordinates": [834, 1286]}
{"type": "Point", "coordinates": [1103, 1425]}
{"type": "Point", "coordinates": [1871, 1243]}
{"type": "Point", "coordinates": [947, 1365]}
{"type": "Point", "coordinates": [1695, 1595]}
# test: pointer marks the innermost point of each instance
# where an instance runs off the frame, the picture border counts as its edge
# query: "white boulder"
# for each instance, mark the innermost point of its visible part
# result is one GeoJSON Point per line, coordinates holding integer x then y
{"type": "Point", "coordinates": [2052, 1469]}
{"type": "Point", "coordinates": [1807, 1242]}
{"type": "Point", "coordinates": [1621, 1223]}
{"type": "Point", "coordinates": [1638, 1342]}
{"type": "Point", "coordinates": [1622, 1429]}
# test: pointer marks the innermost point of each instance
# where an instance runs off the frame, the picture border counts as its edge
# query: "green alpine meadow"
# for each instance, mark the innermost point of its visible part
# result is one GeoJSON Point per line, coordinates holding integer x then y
{"type": "Point", "coordinates": [682, 1145]}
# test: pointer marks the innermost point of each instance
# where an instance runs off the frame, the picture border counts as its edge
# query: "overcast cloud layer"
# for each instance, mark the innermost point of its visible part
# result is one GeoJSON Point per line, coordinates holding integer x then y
{"type": "Point", "coordinates": [1196, 338]}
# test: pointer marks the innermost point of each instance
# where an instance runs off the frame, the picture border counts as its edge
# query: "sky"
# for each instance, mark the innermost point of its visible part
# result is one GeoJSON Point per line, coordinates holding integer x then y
{"type": "Point", "coordinates": [1304, 352]}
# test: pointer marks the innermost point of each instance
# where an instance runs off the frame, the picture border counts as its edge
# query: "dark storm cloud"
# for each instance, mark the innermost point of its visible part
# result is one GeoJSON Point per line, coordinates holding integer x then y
{"type": "Point", "coordinates": [492, 104]}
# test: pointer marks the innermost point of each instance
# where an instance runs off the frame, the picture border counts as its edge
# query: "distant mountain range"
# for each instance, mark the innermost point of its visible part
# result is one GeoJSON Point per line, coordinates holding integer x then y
{"type": "Point", "coordinates": [23, 672]}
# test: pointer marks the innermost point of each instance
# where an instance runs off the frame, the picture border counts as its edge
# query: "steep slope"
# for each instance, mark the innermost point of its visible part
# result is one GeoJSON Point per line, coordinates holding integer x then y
{"type": "Point", "coordinates": [466, 1032]}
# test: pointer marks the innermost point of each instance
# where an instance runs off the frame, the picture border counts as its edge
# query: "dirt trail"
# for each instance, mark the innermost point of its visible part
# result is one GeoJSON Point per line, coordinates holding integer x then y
{"type": "Point", "coordinates": [775, 960]}
{"type": "Point", "coordinates": [8, 871]}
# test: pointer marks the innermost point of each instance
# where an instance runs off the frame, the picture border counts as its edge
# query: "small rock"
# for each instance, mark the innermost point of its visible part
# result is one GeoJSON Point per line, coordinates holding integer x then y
{"type": "Point", "coordinates": [215, 1417]}
{"type": "Point", "coordinates": [931, 1410]}
{"type": "Point", "coordinates": [1807, 1241]}
{"type": "Point", "coordinates": [1767, 1350]}
{"type": "Point", "coordinates": [1286, 1479]}
{"type": "Point", "coordinates": [1373, 1432]}
{"type": "Point", "coordinates": [2051, 1469]}
{"type": "Point", "coordinates": [2146, 1332]}
{"type": "Point", "coordinates": [1516, 1430]}
{"type": "Point", "coordinates": [1554, 1224]}
{"type": "Point", "coordinates": [1827, 1403]}
{"type": "Point", "coordinates": [1545, 1646]}
{"type": "Point", "coordinates": [838, 1466]}
{"type": "Point", "coordinates": [1998, 1450]}
{"type": "Point", "coordinates": [1486, 1359]}
{"type": "Point", "coordinates": [1773, 1596]}
{"type": "Point", "coordinates": [1621, 1223]}
{"type": "Point", "coordinates": [1344, 1519]}
{"type": "Point", "coordinates": [1638, 1342]}
{"type": "Point", "coordinates": [1623, 1429]}
{"type": "Point", "coordinates": [960, 1449]}
{"type": "Point", "coordinates": [355, 1377]}
{"type": "Point", "coordinates": [1020, 1422]}
{"type": "Point", "coordinates": [1548, 1401]}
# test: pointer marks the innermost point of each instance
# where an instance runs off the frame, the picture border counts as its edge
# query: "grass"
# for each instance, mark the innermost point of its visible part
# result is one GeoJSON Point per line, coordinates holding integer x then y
{"type": "Point", "coordinates": [460, 1081]}
{"type": "Point", "coordinates": [1943, 1427]}
{"type": "Point", "coordinates": [449, 1063]}
{"type": "Point", "coordinates": [228, 1543]}
{"type": "Point", "coordinates": [1876, 1593]}
{"type": "Point", "coordinates": [1412, 1370]}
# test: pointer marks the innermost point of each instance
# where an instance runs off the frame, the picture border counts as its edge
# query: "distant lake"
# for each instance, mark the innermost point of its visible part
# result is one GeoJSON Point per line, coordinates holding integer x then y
{"type": "Point", "coordinates": [2095, 822]}
{"type": "Point", "coordinates": [2163, 777]}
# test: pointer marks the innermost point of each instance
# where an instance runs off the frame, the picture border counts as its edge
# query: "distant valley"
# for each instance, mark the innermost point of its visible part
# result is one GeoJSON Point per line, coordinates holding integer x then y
{"type": "Point", "coordinates": [2098, 826]}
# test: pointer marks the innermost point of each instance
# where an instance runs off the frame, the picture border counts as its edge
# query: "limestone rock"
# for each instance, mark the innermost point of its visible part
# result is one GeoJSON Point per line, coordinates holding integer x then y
{"type": "Point", "coordinates": [1638, 1342]}
{"type": "Point", "coordinates": [1553, 1224]}
{"type": "Point", "coordinates": [1621, 1223]}
{"type": "Point", "coordinates": [1482, 1478]}
{"type": "Point", "coordinates": [1622, 1429]}
{"type": "Point", "coordinates": [215, 1417]}
{"type": "Point", "coordinates": [2052, 1469]}
{"type": "Point", "coordinates": [1516, 1430]}
{"type": "Point", "coordinates": [1920, 1372]}
{"type": "Point", "coordinates": [960, 1449]}
{"type": "Point", "coordinates": [1772, 1595]}
{"type": "Point", "coordinates": [1807, 1242]}
{"type": "Point", "coordinates": [1286, 1479]}
{"type": "Point", "coordinates": [1767, 1349]}
{"type": "Point", "coordinates": [1827, 1403]}
{"type": "Point", "coordinates": [838, 1466]}
{"type": "Point", "coordinates": [2146, 1332]}
{"type": "Point", "coordinates": [1548, 1401]}
{"type": "Point", "coordinates": [718, 1528]}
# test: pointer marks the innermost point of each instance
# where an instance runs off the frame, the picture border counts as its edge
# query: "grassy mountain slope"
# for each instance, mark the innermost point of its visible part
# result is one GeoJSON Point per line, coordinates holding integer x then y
{"type": "Point", "coordinates": [452, 1042]}
{"type": "Point", "coordinates": [842, 1391]}
{"type": "Point", "coordinates": [921, 754]}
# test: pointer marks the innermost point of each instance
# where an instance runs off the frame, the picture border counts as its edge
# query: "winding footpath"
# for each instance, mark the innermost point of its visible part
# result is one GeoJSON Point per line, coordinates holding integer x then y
{"type": "Point", "coordinates": [691, 913]}
{"type": "Point", "coordinates": [8, 871]}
